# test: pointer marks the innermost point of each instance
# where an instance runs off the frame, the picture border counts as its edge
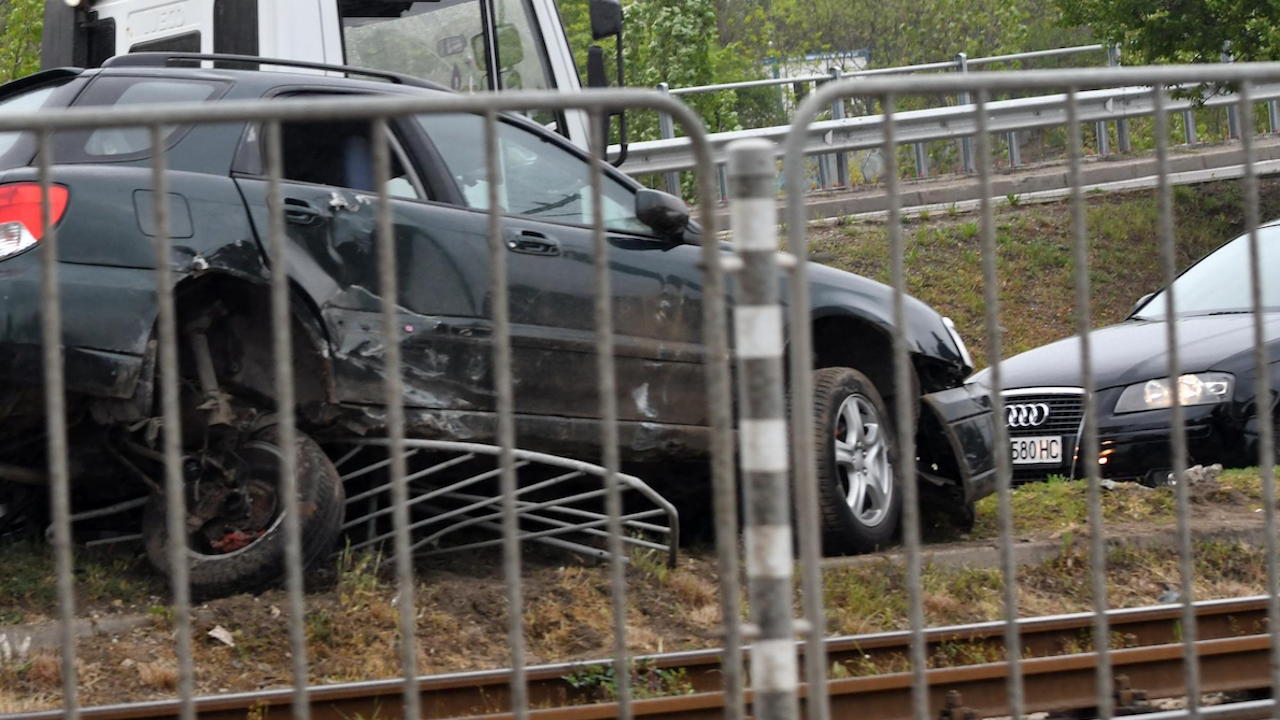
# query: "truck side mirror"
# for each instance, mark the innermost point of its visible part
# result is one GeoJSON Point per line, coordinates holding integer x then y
{"type": "Point", "coordinates": [595, 68]}
{"type": "Point", "coordinates": [606, 18]}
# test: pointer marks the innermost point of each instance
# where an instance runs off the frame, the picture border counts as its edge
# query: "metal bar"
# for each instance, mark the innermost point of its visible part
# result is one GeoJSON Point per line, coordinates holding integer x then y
{"type": "Point", "coordinates": [1015, 152]}
{"type": "Point", "coordinates": [667, 129]}
{"type": "Point", "coordinates": [56, 426]}
{"type": "Point", "coordinates": [1004, 470]}
{"type": "Point", "coordinates": [1266, 430]}
{"type": "Point", "coordinates": [962, 98]}
{"type": "Point", "coordinates": [1273, 116]}
{"type": "Point", "coordinates": [837, 113]}
{"type": "Point", "coordinates": [373, 466]}
{"type": "Point", "coordinates": [411, 478]}
{"type": "Point", "coordinates": [286, 429]}
{"type": "Point", "coordinates": [607, 381]}
{"type": "Point", "coordinates": [922, 161]}
{"type": "Point", "coordinates": [762, 429]}
{"type": "Point", "coordinates": [505, 390]}
{"type": "Point", "coordinates": [1178, 440]}
{"type": "Point", "coordinates": [1090, 442]}
{"type": "Point", "coordinates": [903, 412]}
{"type": "Point", "coordinates": [388, 284]}
{"type": "Point", "coordinates": [1122, 125]}
{"type": "Point", "coordinates": [174, 485]}
{"type": "Point", "coordinates": [1189, 126]}
{"type": "Point", "coordinates": [1034, 54]}
{"type": "Point", "coordinates": [1233, 117]}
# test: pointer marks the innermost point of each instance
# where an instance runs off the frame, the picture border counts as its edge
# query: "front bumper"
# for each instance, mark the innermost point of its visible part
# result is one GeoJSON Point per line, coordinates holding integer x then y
{"type": "Point", "coordinates": [1139, 446]}
{"type": "Point", "coordinates": [966, 419]}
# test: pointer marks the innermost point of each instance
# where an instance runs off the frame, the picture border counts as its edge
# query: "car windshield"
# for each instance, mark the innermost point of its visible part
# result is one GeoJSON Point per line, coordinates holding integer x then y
{"type": "Point", "coordinates": [443, 41]}
{"type": "Point", "coordinates": [1219, 284]}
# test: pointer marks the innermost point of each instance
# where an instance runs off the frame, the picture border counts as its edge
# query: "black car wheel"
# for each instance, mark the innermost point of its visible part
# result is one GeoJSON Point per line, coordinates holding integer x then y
{"type": "Point", "coordinates": [238, 545]}
{"type": "Point", "coordinates": [857, 486]}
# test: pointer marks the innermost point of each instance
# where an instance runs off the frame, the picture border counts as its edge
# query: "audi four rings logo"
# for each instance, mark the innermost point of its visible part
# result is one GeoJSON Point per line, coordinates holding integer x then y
{"type": "Point", "coordinates": [1025, 416]}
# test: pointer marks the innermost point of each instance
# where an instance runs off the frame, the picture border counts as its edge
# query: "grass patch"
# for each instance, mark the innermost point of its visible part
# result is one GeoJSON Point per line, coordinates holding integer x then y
{"type": "Point", "coordinates": [1037, 291]}
{"type": "Point", "coordinates": [873, 597]}
{"type": "Point", "coordinates": [1058, 506]}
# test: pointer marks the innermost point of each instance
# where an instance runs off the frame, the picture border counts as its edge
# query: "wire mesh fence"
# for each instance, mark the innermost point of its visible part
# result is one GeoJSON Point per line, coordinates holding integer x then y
{"type": "Point", "coordinates": [822, 409]}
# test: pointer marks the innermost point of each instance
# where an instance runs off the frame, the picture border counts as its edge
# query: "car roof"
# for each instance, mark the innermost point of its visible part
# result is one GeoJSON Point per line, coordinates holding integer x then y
{"type": "Point", "coordinates": [257, 76]}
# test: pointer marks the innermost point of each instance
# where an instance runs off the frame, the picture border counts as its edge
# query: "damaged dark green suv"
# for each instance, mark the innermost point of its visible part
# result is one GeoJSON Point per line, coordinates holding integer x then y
{"type": "Point", "coordinates": [217, 195]}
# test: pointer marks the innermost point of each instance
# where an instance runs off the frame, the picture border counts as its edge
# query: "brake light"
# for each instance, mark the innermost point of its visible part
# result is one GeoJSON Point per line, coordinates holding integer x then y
{"type": "Point", "coordinates": [20, 215]}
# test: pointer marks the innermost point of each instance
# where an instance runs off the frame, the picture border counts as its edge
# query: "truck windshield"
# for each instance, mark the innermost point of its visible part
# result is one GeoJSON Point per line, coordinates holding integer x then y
{"type": "Point", "coordinates": [444, 42]}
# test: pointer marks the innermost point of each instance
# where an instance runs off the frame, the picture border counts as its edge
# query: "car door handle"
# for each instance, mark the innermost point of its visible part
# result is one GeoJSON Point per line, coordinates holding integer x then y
{"type": "Point", "coordinates": [301, 212]}
{"type": "Point", "coordinates": [528, 242]}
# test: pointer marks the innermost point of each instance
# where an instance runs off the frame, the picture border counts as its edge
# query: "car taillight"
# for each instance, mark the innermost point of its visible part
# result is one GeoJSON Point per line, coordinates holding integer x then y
{"type": "Point", "coordinates": [21, 225]}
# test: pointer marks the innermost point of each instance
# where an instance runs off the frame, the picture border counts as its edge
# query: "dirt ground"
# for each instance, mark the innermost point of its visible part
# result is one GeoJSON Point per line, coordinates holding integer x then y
{"type": "Point", "coordinates": [241, 643]}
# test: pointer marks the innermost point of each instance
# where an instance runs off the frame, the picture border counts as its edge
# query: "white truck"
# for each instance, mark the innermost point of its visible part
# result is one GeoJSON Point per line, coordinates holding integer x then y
{"type": "Point", "coordinates": [468, 45]}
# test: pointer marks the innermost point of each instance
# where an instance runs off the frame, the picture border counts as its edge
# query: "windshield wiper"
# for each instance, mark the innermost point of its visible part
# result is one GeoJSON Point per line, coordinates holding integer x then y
{"type": "Point", "coordinates": [1230, 312]}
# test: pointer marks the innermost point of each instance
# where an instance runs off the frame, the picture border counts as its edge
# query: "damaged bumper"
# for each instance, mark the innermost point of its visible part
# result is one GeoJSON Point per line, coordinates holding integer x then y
{"type": "Point", "coordinates": [965, 417]}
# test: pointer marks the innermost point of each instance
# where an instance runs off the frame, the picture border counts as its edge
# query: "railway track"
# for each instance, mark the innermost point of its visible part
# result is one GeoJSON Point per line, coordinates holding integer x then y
{"type": "Point", "coordinates": [1058, 670]}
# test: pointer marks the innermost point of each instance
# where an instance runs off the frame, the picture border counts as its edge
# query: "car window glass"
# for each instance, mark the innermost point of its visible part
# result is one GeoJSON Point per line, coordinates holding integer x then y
{"type": "Point", "coordinates": [339, 154]}
{"type": "Point", "coordinates": [1220, 282]}
{"type": "Point", "coordinates": [540, 178]}
{"type": "Point", "coordinates": [112, 142]}
{"type": "Point", "coordinates": [26, 102]}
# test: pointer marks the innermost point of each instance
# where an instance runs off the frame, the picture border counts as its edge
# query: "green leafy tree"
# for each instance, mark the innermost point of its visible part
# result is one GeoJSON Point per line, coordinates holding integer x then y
{"type": "Point", "coordinates": [1181, 31]}
{"type": "Point", "coordinates": [21, 24]}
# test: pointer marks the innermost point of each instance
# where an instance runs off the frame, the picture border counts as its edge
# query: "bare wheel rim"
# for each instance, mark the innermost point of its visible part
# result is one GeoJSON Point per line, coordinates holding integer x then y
{"type": "Point", "coordinates": [862, 460]}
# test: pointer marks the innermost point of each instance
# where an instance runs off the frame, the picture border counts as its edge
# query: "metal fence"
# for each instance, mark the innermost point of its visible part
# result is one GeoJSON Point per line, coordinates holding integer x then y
{"type": "Point", "coordinates": [770, 462]}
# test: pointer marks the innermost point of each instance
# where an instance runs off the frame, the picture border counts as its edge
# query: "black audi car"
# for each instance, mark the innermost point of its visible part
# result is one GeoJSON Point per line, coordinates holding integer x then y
{"type": "Point", "coordinates": [217, 195]}
{"type": "Point", "coordinates": [1216, 384]}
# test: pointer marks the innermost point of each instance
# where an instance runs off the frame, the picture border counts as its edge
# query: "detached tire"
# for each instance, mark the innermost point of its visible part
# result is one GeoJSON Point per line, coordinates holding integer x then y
{"type": "Point", "coordinates": [858, 489]}
{"type": "Point", "coordinates": [253, 558]}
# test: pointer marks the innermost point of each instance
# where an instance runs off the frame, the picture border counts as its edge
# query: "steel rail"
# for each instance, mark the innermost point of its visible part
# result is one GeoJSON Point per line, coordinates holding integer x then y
{"type": "Point", "coordinates": [1148, 633]}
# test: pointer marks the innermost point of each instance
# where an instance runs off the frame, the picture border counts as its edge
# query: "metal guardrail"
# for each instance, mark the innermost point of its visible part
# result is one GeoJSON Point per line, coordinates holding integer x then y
{"type": "Point", "coordinates": [917, 126]}
{"type": "Point", "coordinates": [834, 168]}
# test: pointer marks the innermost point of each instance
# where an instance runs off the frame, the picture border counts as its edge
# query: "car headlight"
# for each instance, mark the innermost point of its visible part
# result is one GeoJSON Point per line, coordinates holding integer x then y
{"type": "Point", "coordinates": [955, 337]}
{"type": "Point", "coordinates": [1197, 389]}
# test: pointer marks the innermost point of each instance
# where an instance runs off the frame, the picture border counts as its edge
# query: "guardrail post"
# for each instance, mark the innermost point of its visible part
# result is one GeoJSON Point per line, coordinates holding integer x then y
{"type": "Point", "coordinates": [1233, 115]}
{"type": "Point", "coordinates": [966, 143]}
{"type": "Point", "coordinates": [1015, 152]}
{"type": "Point", "coordinates": [922, 161]}
{"type": "Point", "coordinates": [762, 430]}
{"type": "Point", "coordinates": [837, 113]}
{"type": "Point", "coordinates": [1273, 114]}
{"type": "Point", "coordinates": [1122, 125]}
{"type": "Point", "coordinates": [1189, 126]}
{"type": "Point", "coordinates": [724, 183]}
{"type": "Point", "coordinates": [667, 127]}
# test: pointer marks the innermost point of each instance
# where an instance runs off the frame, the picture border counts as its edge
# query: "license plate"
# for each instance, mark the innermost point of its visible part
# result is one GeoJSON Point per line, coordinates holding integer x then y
{"type": "Point", "coordinates": [1041, 450]}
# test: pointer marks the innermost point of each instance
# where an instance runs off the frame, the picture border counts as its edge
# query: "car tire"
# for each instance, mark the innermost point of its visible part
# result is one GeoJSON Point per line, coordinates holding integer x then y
{"type": "Point", "coordinates": [858, 489]}
{"type": "Point", "coordinates": [261, 563]}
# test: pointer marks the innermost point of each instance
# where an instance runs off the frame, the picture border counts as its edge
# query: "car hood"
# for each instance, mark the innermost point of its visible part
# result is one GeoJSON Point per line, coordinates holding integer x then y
{"type": "Point", "coordinates": [1137, 350]}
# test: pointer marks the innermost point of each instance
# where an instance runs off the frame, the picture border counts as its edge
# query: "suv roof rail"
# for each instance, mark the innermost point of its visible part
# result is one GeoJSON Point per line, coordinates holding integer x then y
{"type": "Point", "coordinates": [165, 59]}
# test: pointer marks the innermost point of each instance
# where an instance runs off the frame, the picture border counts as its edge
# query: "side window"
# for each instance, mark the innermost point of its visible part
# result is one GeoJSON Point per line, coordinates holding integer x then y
{"type": "Point", "coordinates": [340, 154]}
{"type": "Point", "coordinates": [26, 102]}
{"type": "Point", "coordinates": [130, 143]}
{"type": "Point", "coordinates": [540, 178]}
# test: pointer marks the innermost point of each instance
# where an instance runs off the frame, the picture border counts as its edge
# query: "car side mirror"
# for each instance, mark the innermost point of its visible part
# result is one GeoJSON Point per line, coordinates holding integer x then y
{"type": "Point", "coordinates": [606, 18]}
{"type": "Point", "coordinates": [1141, 301]}
{"type": "Point", "coordinates": [665, 214]}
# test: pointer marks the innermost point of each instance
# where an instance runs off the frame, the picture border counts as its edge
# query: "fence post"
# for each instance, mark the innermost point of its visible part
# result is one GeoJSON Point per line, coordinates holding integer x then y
{"type": "Point", "coordinates": [837, 113]}
{"type": "Point", "coordinates": [668, 129]}
{"type": "Point", "coordinates": [966, 143]}
{"type": "Point", "coordinates": [1233, 114]}
{"type": "Point", "coordinates": [1122, 125]}
{"type": "Point", "coordinates": [762, 430]}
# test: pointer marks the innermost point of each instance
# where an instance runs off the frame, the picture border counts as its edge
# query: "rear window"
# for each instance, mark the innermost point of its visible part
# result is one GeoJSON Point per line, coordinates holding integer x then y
{"type": "Point", "coordinates": [26, 102]}
{"type": "Point", "coordinates": [106, 144]}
